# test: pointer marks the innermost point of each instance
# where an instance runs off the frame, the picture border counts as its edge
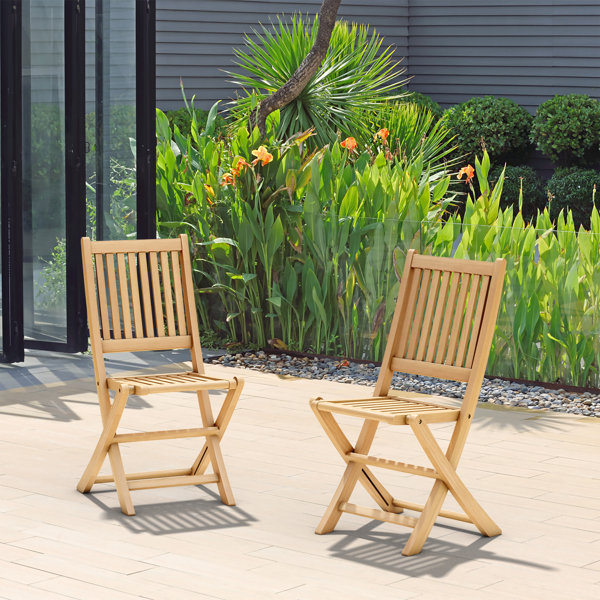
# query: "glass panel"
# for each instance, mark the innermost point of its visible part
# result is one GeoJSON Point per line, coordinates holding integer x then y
{"type": "Point", "coordinates": [44, 171]}
{"type": "Point", "coordinates": [110, 118]}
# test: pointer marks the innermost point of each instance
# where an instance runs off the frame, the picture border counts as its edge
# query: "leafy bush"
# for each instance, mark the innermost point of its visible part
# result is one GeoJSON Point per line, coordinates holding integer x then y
{"type": "Point", "coordinates": [497, 125]}
{"type": "Point", "coordinates": [567, 129]}
{"type": "Point", "coordinates": [182, 118]}
{"type": "Point", "coordinates": [573, 189]}
{"type": "Point", "coordinates": [533, 196]}
{"type": "Point", "coordinates": [355, 76]}
{"type": "Point", "coordinates": [309, 246]}
{"type": "Point", "coordinates": [426, 102]}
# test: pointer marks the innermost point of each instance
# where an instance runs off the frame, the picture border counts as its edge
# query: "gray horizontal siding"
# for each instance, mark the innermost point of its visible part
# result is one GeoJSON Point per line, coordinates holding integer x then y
{"type": "Point", "coordinates": [195, 40]}
{"type": "Point", "coordinates": [526, 50]}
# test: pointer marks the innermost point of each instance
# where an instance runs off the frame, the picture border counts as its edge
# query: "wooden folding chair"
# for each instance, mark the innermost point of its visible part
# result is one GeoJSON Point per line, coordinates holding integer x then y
{"type": "Point", "coordinates": [442, 327]}
{"type": "Point", "coordinates": [146, 302]}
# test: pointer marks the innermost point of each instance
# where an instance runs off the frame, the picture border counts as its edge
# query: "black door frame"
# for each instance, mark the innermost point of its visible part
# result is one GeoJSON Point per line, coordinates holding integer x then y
{"type": "Point", "coordinates": [11, 165]}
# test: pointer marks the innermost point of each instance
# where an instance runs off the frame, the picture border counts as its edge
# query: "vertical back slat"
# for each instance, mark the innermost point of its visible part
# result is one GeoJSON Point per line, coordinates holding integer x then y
{"type": "Point", "coordinates": [135, 295]}
{"type": "Point", "coordinates": [405, 319]}
{"type": "Point", "coordinates": [467, 331]}
{"type": "Point", "coordinates": [428, 317]}
{"type": "Point", "coordinates": [181, 324]}
{"type": "Point", "coordinates": [101, 290]}
{"type": "Point", "coordinates": [123, 288]}
{"type": "Point", "coordinates": [447, 319]}
{"type": "Point", "coordinates": [417, 320]}
{"type": "Point", "coordinates": [437, 319]}
{"type": "Point", "coordinates": [481, 302]}
{"type": "Point", "coordinates": [166, 277]}
{"type": "Point", "coordinates": [146, 298]}
{"type": "Point", "coordinates": [156, 296]}
{"type": "Point", "coordinates": [112, 294]}
{"type": "Point", "coordinates": [459, 313]}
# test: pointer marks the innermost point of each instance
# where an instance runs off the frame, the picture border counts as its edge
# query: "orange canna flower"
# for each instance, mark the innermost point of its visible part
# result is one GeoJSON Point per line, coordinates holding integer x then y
{"type": "Point", "coordinates": [209, 190]}
{"type": "Point", "coordinates": [239, 167]}
{"type": "Point", "coordinates": [383, 134]}
{"type": "Point", "coordinates": [262, 155]}
{"type": "Point", "coordinates": [227, 179]}
{"type": "Point", "coordinates": [349, 143]}
{"type": "Point", "coordinates": [469, 171]}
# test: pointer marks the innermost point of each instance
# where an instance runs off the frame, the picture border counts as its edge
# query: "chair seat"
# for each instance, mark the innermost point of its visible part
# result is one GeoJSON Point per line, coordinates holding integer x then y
{"type": "Point", "coordinates": [394, 408]}
{"type": "Point", "coordinates": [170, 382]}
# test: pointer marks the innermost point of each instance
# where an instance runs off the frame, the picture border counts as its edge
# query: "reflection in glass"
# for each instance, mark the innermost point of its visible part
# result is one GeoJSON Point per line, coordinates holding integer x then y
{"type": "Point", "coordinates": [44, 170]}
{"type": "Point", "coordinates": [110, 118]}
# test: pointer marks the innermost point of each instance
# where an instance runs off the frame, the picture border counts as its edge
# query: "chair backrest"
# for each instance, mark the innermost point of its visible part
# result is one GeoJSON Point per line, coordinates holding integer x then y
{"type": "Point", "coordinates": [140, 296]}
{"type": "Point", "coordinates": [444, 321]}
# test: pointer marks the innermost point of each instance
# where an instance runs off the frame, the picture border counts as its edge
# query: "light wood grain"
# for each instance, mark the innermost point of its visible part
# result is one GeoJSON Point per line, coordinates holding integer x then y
{"type": "Point", "coordinates": [442, 327]}
{"type": "Point", "coordinates": [139, 285]}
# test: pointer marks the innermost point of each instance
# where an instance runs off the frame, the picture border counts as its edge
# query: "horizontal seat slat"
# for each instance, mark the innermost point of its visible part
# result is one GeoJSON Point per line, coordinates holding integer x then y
{"type": "Point", "coordinates": [169, 382]}
{"type": "Point", "coordinates": [392, 410]}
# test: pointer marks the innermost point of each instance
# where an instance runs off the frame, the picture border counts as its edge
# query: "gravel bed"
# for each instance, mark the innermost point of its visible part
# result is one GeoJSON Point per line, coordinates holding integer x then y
{"type": "Point", "coordinates": [496, 391]}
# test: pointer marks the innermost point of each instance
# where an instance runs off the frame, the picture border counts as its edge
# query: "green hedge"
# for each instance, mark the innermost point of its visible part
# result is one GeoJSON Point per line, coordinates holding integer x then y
{"type": "Point", "coordinates": [567, 130]}
{"type": "Point", "coordinates": [498, 125]}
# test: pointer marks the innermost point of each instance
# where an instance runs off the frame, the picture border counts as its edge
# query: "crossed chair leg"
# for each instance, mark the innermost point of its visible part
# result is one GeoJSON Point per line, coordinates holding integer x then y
{"type": "Point", "coordinates": [108, 444]}
{"type": "Point", "coordinates": [444, 472]}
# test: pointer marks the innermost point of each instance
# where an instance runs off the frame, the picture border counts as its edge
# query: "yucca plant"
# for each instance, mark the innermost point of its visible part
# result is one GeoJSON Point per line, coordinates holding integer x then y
{"type": "Point", "coordinates": [356, 76]}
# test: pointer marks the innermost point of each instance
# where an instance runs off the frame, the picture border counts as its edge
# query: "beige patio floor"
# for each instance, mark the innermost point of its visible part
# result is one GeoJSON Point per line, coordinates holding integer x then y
{"type": "Point", "coordinates": [537, 474]}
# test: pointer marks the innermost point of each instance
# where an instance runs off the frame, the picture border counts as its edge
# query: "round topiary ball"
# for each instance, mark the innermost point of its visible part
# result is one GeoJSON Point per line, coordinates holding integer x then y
{"type": "Point", "coordinates": [567, 130]}
{"type": "Point", "coordinates": [499, 125]}
{"type": "Point", "coordinates": [534, 195]}
{"type": "Point", "coordinates": [573, 188]}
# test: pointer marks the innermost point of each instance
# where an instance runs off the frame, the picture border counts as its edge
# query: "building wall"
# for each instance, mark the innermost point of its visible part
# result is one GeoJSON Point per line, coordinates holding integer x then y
{"type": "Point", "coordinates": [527, 50]}
{"type": "Point", "coordinates": [195, 40]}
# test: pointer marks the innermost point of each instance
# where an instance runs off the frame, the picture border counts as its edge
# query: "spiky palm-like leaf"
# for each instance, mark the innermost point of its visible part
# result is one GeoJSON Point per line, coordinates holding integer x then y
{"type": "Point", "coordinates": [355, 76]}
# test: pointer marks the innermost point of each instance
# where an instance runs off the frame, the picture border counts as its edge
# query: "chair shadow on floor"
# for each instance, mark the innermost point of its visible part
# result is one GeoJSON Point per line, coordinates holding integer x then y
{"type": "Point", "coordinates": [166, 518]}
{"type": "Point", "coordinates": [382, 549]}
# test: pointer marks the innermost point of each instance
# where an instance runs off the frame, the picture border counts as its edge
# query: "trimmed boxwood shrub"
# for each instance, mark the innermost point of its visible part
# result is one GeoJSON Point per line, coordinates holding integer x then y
{"type": "Point", "coordinates": [567, 129]}
{"type": "Point", "coordinates": [534, 195]}
{"type": "Point", "coordinates": [425, 102]}
{"type": "Point", "coordinates": [573, 188]}
{"type": "Point", "coordinates": [499, 124]}
{"type": "Point", "coordinates": [183, 119]}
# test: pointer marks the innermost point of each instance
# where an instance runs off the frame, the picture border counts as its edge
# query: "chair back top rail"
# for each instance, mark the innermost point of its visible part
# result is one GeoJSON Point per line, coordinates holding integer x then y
{"type": "Point", "coordinates": [444, 319]}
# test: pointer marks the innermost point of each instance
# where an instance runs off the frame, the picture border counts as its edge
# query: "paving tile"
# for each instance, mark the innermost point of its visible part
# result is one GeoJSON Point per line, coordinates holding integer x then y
{"type": "Point", "coordinates": [537, 475]}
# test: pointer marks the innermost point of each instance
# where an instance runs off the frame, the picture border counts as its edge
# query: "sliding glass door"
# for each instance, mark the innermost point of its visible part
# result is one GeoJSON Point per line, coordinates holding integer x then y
{"type": "Point", "coordinates": [78, 148]}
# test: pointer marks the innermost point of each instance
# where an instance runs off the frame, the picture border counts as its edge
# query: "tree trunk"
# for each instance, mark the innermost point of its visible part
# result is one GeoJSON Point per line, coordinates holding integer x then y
{"type": "Point", "coordinates": [304, 73]}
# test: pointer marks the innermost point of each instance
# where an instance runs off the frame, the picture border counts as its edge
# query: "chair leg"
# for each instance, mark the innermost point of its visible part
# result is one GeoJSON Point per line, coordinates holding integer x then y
{"type": "Point", "coordinates": [213, 449]}
{"type": "Point", "coordinates": [104, 447]}
{"type": "Point", "coordinates": [123, 493]}
{"type": "Point", "coordinates": [349, 480]}
{"type": "Point", "coordinates": [366, 477]}
{"type": "Point", "coordinates": [450, 482]}
{"type": "Point", "coordinates": [453, 482]}
{"type": "Point", "coordinates": [425, 522]}
{"type": "Point", "coordinates": [222, 421]}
